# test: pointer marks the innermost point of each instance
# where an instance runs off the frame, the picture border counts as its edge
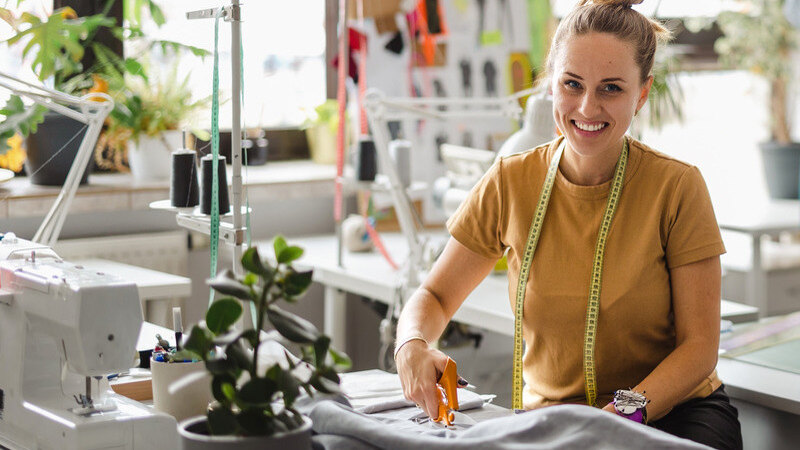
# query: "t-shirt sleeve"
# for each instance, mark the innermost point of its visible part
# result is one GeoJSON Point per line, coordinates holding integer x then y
{"type": "Point", "coordinates": [693, 233]}
{"type": "Point", "coordinates": [477, 223]}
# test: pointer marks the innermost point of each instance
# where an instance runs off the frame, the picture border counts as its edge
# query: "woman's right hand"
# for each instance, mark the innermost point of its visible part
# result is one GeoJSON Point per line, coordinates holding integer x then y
{"type": "Point", "coordinates": [420, 367]}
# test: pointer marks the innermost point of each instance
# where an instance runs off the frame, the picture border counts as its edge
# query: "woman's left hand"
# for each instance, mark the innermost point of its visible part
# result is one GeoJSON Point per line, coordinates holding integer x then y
{"type": "Point", "coordinates": [610, 408]}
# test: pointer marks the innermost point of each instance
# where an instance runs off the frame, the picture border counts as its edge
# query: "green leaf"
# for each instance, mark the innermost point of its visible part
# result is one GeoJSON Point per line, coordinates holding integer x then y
{"type": "Point", "coordinates": [289, 385]}
{"type": "Point", "coordinates": [239, 356]}
{"type": "Point", "coordinates": [156, 13]}
{"type": "Point", "coordinates": [324, 385]}
{"type": "Point", "coordinates": [222, 314]}
{"type": "Point", "coordinates": [220, 366]}
{"type": "Point", "coordinates": [279, 244]}
{"type": "Point", "coordinates": [290, 254]}
{"type": "Point", "coordinates": [221, 421]}
{"type": "Point", "coordinates": [252, 262]}
{"type": "Point", "coordinates": [340, 360]}
{"type": "Point", "coordinates": [216, 387]}
{"type": "Point", "coordinates": [19, 119]}
{"type": "Point", "coordinates": [226, 283]}
{"type": "Point", "coordinates": [249, 335]}
{"type": "Point", "coordinates": [134, 67]}
{"type": "Point", "coordinates": [250, 279]}
{"type": "Point", "coordinates": [321, 350]}
{"type": "Point", "coordinates": [58, 40]}
{"type": "Point", "coordinates": [199, 342]}
{"type": "Point", "coordinates": [229, 391]}
{"type": "Point", "coordinates": [253, 422]}
{"type": "Point", "coordinates": [297, 282]}
{"type": "Point", "coordinates": [292, 327]}
{"type": "Point", "coordinates": [258, 392]}
{"type": "Point", "coordinates": [329, 373]}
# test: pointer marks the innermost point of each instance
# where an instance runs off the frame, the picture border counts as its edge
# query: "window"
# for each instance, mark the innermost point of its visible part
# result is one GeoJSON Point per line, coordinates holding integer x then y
{"type": "Point", "coordinates": [283, 57]}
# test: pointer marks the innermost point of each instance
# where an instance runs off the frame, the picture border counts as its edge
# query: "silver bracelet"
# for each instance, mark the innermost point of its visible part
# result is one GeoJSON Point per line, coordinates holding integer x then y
{"type": "Point", "coordinates": [406, 341]}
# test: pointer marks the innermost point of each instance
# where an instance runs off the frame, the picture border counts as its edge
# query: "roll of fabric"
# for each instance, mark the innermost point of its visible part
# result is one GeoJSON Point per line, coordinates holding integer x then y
{"type": "Point", "coordinates": [183, 189]}
{"type": "Point", "coordinates": [222, 194]}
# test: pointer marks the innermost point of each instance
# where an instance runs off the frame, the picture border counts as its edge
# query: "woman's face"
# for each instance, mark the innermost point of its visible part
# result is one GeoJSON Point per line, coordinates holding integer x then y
{"type": "Point", "coordinates": [596, 91]}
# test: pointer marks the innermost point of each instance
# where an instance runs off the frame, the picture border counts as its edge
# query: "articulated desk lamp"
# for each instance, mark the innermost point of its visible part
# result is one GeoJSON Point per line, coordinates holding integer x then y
{"type": "Point", "coordinates": [64, 328]}
{"type": "Point", "coordinates": [381, 110]}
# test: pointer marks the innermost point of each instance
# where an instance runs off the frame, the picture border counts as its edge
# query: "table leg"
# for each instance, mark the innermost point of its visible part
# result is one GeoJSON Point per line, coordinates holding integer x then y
{"type": "Point", "coordinates": [756, 280]}
{"type": "Point", "coordinates": [335, 317]}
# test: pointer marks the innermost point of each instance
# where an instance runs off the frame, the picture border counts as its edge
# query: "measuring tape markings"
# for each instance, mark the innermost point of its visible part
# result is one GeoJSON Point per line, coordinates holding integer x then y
{"type": "Point", "coordinates": [214, 226]}
{"type": "Point", "coordinates": [593, 305]}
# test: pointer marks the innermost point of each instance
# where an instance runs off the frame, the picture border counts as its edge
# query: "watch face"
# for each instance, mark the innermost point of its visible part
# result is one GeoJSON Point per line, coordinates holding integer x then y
{"type": "Point", "coordinates": [625, 409]}
{"type": "Point", "coordinates": [628, 402]}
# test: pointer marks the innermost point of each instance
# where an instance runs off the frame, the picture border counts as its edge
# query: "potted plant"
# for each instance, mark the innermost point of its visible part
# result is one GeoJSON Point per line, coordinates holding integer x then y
{"type": "Point", "coordinates": [59, 45]}
{"type": "Point", "coordinates": [254, 407]}
{"type": "Point", "coordinates": [321, 127]}
{"type": "Point", "coordinates": [52, 58]}
{"type": "Point", "coordinates": [759, 38]}
{"type": "Point", "coordinates": [146, 123]}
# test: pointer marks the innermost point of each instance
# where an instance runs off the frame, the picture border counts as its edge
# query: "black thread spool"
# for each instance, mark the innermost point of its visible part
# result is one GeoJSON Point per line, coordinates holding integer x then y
{"type": "Point", "coordinates": [183, 189]}
{"type": "Point", "coordinates": [366, 164]}
{"type": "Point", "coordinates": [205, 199]}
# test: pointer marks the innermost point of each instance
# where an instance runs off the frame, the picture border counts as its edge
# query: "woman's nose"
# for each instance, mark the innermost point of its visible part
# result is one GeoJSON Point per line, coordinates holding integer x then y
{"type": "Point", "coordinates": [589, 104]}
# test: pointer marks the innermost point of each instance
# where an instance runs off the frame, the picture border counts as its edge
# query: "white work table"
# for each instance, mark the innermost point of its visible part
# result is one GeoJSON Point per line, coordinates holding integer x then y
{"type": "Point", "coordinates": [151, 284]}
{"type": "Point", "coordinates": [768, 219]}
{"type": "Point", "coordinates": [368, 274]}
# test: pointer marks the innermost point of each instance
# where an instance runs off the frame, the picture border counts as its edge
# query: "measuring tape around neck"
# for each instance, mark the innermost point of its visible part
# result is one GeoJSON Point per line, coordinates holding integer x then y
{"type": "Point", "coordinates": [593, 306]}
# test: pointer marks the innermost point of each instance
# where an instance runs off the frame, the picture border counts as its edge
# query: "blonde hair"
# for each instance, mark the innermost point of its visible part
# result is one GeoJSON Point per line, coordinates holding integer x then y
{"type": "Point", "coordinates": [615, 17]}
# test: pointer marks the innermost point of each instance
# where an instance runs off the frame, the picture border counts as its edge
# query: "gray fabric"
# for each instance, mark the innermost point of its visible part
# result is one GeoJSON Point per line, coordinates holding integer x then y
{"type": "Point", "coordinates": [337, 426]}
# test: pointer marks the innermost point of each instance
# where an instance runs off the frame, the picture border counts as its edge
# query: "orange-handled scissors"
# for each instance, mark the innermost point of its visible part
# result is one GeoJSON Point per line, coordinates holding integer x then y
{"type": "Point", "coordinates": [448, 395]}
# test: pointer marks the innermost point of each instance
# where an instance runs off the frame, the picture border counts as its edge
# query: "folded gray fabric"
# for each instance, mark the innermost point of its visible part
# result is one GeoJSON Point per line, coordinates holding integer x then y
{"type": "Point", "coordinates": [372, 391]}
{"type": "Point", "coordinates": [564, 427]}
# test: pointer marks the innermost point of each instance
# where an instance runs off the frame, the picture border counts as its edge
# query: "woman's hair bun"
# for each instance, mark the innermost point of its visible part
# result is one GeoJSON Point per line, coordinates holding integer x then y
{"type": "Point", "coordinates": [624, 3]}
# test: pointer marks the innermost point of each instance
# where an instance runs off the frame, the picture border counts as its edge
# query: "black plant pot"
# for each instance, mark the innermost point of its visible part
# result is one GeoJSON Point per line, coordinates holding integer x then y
{"type": "Point", "coordinates": [781, 168]}
{"type": "Point", "coordinates": [52, 149]}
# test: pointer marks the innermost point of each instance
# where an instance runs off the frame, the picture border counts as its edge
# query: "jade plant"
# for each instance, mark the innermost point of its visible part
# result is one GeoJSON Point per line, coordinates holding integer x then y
{"type": "Point", "coordinates": [249, 401]}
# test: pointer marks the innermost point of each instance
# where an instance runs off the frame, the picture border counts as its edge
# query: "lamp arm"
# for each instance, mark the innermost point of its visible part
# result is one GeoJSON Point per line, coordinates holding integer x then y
{"type": "Point", "coordinates": [92, 110]}
{"type": "Point", "coordinates": [378, 125]}
{"type": "Point", "coordinates": [380, 110]}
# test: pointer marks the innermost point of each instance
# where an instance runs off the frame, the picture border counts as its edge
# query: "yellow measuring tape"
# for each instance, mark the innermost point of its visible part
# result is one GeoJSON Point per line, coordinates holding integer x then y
{"type": "Point", "coordinates": [593, 306]}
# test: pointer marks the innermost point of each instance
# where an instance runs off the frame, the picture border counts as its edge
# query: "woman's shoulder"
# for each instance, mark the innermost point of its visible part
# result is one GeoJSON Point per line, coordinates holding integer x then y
{"type": "Point", "coordinates": [657, 163]}
{"type": "Point", "coordinates": [537, 157]}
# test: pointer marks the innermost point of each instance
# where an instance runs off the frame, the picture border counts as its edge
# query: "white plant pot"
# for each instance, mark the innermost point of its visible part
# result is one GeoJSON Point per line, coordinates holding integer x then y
{"type": "Point", "coordinates": [194, 436]}
{"type": "Point", "coordinates": [150, 159]}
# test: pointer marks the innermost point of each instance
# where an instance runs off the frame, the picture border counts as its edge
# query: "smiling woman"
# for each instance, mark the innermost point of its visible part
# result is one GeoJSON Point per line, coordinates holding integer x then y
{"type": "Point", "coordinates": [614, 270]}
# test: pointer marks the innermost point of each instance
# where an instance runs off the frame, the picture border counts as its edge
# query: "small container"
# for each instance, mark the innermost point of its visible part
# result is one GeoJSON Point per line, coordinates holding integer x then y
{"type": "Point", "coordinates": [190, 401]}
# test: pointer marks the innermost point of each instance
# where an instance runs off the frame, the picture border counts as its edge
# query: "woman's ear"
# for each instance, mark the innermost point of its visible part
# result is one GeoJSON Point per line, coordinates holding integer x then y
{"type": "Point", "coordinates": [644, 93]}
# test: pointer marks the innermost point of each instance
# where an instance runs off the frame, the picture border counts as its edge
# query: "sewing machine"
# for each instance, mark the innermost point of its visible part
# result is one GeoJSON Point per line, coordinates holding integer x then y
{"type": "Point", "coordinates": [63, 328]}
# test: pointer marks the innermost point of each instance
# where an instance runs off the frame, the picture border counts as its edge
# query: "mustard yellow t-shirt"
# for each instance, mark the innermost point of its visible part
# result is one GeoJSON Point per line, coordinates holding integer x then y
{"type": "Point", "coordinates": [664, 219]}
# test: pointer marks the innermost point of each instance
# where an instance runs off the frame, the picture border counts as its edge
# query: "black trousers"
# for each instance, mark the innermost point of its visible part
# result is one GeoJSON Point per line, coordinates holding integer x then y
{"type": "Point", "coordinates": [712, 421]}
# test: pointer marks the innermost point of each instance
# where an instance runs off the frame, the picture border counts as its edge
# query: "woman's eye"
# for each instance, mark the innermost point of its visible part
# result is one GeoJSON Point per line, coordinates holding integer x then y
{"type": "Point", "coordinates": [572, 84]}
{"type": "Point", "coordinates": [612, 88]}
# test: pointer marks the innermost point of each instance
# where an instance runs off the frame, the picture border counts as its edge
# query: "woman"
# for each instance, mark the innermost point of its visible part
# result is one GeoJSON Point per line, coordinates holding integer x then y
{"type": "Point", "coordinates": [622, 291]}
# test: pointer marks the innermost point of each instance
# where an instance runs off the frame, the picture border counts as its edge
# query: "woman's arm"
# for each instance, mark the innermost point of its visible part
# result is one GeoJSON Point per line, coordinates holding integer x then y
{"type": "Point", "coordinates": [455, 274]}
{"type": "Point", "coordinates": [696, 303]}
